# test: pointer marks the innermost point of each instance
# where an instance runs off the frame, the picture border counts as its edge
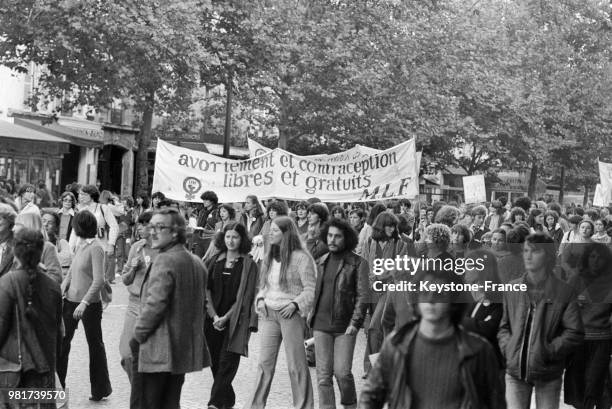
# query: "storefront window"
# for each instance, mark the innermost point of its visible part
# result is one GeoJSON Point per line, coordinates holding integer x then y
{"type": "Point", "coordinates": [37, 171]}
{"type": "Point", "coordinates": [54, 168]}
{"type": "Point", "coordinates": [6, 168]}
{"type": "Point", "coordinates": [21, 171]}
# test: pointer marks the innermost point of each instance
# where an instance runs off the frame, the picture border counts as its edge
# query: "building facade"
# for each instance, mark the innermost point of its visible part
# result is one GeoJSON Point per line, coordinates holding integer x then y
{"type": "Point", "coordinates": [98, 145]}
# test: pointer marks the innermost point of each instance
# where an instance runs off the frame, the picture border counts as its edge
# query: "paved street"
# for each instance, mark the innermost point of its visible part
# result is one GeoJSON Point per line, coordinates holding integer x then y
{"type": "Point", "coordinates": [196, 390]}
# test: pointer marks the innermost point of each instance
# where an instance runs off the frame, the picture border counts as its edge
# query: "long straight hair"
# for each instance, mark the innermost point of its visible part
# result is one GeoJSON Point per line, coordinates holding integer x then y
{"type": "Point", "coordinates": [289, 243]}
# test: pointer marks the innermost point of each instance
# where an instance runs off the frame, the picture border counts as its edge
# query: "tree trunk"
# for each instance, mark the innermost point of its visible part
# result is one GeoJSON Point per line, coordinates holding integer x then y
{"type": "Point", "coordinates": [562, 185]}
{"type": "Point", "coordinates": [228, 115]}
{"type": "Point", "coordinates": [144, 141]}
{"type": "Point", "coordinates": [585, 199]}
{"type": "Point", "coordinates": [533, 177]}
{"type": "Point", "coordinates": [283, 124]}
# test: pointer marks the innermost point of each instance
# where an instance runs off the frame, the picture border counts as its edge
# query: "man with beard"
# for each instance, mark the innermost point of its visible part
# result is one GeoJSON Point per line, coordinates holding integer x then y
{"type": "Point", "coordinates": [340, 302]}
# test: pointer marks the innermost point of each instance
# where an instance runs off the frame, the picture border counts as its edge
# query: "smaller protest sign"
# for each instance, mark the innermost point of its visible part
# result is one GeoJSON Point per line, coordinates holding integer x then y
{"type": "Point", "coordinates": [474, 189]}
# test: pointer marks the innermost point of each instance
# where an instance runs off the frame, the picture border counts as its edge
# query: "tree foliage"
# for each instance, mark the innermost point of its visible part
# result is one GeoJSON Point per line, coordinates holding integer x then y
{"type": "Point", "coordinates": [96, 50]}
{"type": "Point", "coordinates": [484, 86]}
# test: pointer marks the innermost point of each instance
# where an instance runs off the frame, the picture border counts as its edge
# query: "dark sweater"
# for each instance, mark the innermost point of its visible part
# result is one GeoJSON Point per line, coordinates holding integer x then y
{"type": "Point", "coordinates": [433, 373]}
{"type": "Point", "coordinates": [323, 318]}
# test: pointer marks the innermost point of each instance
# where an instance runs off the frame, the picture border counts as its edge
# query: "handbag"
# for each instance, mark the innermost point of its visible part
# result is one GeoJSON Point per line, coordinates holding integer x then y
{"type": "Point", "coordinates": [10, 371]}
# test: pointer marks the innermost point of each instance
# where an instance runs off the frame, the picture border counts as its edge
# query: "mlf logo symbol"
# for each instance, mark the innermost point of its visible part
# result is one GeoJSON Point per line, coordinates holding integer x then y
{"type": "Point", "coordinates": [191, 186]}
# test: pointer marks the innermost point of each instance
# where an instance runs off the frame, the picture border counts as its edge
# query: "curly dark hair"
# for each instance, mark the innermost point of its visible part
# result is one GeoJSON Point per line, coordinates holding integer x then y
{"type": "Point", "coordinates": [517, 211]}
{"type": "Point", "coordinates": [209, 195]}
{"type": "Point", "coordinates": [71, 196]}
{"type": "Point", "coordinates": [92, 191]}
{"type": "Point", "coordinates": [447, 215]}
{"type": "Point", "coordinates": [245, 243]}
{"type": "Point", "coordinates": [280, 207]}
{"type": "Point", "coordinates": [231, 212]}
{"type": "Point", "coordinates": [158, 195]}
{"type": "Point", "coordinates": [523, 202]}
{"type": "Point", "coordinates": [603, 251]}
{"type": "Point", "coordinates": [464, 231]}
{"type": "Point", "coordinates": [336, 209]}
{"type": "Point", "coordinates": [351, 239]}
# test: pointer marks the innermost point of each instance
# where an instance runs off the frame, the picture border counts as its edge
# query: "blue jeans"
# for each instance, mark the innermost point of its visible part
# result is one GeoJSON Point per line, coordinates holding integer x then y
{"type": "Point", "coordinates": [518, 393]}
{"type": "Point", "coordinates": [335, 357]}
{"type": "Point", "coordinates": [272, 330]}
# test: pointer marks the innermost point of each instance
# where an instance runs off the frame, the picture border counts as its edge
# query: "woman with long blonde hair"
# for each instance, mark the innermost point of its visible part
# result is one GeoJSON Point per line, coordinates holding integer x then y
{"type": "Point", "coordinates": [284, 300]}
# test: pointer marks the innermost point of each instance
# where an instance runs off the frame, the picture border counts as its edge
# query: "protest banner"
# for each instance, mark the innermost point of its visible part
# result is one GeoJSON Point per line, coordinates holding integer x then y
{"type": "Point", "coordinates": [605, 175]}
{"type": "Point", "coordinates": [184, 174]}
{"type": "Point", "coordinates": [356, 152]}
{"type": "Point", "coordinates": [256, 149]}
{"type": "Point", "coordinates": [602, 196]}
{"type": "Point", "coordinates": [474, 189]}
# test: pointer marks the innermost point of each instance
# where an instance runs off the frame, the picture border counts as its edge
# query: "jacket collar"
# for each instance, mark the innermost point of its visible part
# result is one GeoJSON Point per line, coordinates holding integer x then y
{"type": "Point", "coordinates": [549, 288]}
{"type": "Point", "coordinates": [347, 257]}
{"type": "Point", "coordinates": [172, 247]}
{"type": "Point", "coordinates": [466, 343]}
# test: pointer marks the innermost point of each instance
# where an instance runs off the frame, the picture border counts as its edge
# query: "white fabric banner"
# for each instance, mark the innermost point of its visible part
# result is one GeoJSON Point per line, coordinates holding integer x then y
{"type": "Point", "coordinates": [184, 174]}
{"type": "Point", "coordinates": [356, 152]}
{"type": "Point", "coordinates": [256, 149]}
{"type": "Point", "coordinates": [474, 189]}
{"type": "Point", "coordinates": [605, 175]}
{"type": "Point", "coordinates": [602, 196]}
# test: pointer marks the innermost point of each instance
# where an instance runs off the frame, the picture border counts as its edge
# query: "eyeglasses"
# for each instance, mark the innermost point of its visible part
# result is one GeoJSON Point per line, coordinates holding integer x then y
{"type": "Point", "coordinates": [67, 199]}
{"type": "Point", "coordinates": [159, 227]}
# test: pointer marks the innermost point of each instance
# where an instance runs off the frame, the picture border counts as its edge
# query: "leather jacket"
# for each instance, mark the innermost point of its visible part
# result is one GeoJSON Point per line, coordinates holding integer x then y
{"type": "Point", "coordinates": [478, 372]}
{"type": "Point", "coordinates": [351, 291]}
{"type": "Point", "coordinates": [554, 329]}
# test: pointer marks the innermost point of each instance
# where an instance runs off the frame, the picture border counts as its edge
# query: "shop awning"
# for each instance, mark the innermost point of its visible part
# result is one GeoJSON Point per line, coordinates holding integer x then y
{"type": "Point", "coordinates": [68, 134]}
{"type": "Point", "coordinates": [9, 130]}
{"type": "Point", "coordinates": [455, 170]}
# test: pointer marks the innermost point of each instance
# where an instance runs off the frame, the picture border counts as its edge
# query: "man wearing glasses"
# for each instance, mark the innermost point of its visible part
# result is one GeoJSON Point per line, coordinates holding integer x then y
{"type": "Point", "coordinates": [168, 339]}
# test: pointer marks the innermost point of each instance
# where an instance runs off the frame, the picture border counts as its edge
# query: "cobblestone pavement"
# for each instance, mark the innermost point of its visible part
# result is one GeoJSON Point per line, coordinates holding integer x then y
{"type": "Point", "coordinates": [196, 389]}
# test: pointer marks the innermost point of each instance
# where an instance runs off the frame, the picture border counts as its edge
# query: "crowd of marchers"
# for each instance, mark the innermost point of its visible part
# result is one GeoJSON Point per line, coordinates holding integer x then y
{"type": "Point", "coordinates": [202, 277]}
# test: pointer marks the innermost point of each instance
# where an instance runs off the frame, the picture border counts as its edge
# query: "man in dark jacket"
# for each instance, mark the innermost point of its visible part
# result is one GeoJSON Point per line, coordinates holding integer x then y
{"type": "Point", "coordinates": [539, 328]}
{"type": "Point", "coordinates": [168, 337]}
{"type": "Point", "coordinates": [341, 296]}
{"type": "Point", "coordinates": [207, 219]}
{"type": "Point", "coordinates": [433, 362]}
{"type": "Point", "coordinates": [7, 221]}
